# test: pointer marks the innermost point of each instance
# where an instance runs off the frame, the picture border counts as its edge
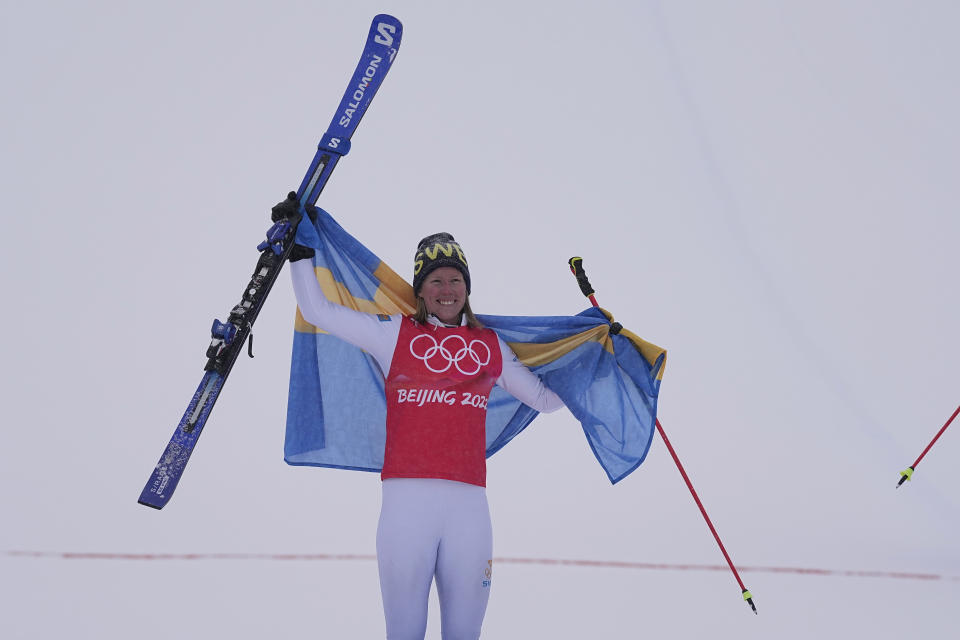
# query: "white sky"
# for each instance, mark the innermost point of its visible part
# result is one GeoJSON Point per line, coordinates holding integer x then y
{"type": "Point", "coordinates": [766, 189]}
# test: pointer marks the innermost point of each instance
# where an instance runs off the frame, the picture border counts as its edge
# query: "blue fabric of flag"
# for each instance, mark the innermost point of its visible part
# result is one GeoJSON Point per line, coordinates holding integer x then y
{"type": "Point", "coordinates": [336, 411]}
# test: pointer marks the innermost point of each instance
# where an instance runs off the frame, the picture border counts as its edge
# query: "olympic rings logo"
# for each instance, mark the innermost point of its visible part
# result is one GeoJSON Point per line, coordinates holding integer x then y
{"type": "Point", "coordinates": [453, 354]}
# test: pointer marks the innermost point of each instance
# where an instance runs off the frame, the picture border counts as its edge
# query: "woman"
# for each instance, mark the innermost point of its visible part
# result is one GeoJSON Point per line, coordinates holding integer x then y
{"type": "Point", "coordinates": [440, 365]}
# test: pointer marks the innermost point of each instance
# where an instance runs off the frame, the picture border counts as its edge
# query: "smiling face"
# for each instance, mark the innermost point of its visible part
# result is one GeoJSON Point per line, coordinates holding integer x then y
{"type": "Point", "coordinates": [444, 293]}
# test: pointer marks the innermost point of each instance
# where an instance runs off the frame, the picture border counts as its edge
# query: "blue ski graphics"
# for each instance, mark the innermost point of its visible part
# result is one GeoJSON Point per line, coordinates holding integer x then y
{"type": "Point", "coordinates": [228, 338]}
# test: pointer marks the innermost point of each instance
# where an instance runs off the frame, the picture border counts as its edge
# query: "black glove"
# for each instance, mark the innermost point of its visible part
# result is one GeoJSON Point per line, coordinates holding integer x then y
{"type": "Point", "coordinates": [288, 209]}
{"type": "Point", "coordinates": [300, 252]}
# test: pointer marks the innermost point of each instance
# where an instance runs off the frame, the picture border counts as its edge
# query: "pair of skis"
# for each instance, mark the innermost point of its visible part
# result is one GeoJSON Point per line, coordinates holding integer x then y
{"type": "Point", "coordinates": [228, 338]}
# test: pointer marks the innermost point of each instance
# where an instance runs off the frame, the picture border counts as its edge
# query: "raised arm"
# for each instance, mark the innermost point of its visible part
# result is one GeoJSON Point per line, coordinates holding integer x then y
{"type": "Point", "coordinates": [370, 332]}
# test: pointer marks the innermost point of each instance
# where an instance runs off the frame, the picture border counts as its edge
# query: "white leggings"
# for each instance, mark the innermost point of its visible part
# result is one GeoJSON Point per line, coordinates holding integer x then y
{"type": "Point", "coordinates": [431, 527]}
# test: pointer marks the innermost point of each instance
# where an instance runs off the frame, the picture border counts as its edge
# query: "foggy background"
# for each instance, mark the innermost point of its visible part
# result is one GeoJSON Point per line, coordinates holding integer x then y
{"type": "Point", "coordinates": [766, 189]}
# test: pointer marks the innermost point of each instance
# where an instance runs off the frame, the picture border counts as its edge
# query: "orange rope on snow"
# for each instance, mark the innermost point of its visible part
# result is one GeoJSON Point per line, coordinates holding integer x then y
{"type": "Point", "coordinates": [562, 562]}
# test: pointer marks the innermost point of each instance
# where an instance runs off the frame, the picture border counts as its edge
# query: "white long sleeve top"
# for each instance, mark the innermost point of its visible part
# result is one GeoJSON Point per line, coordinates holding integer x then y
{"type": "Point", "coordinates": [379, 338]}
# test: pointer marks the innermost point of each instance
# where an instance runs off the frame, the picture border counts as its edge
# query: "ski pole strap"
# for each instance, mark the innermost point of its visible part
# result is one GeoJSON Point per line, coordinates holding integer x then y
{"type": "Point", "coordinates": [576, 265]}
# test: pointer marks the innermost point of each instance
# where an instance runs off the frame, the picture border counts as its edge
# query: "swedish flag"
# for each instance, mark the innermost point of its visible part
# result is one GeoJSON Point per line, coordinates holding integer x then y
{"type": "Point", "coordinates": [336, 412]}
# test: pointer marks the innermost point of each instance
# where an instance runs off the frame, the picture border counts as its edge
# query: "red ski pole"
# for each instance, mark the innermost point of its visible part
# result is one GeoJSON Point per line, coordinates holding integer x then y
{"type": "Point", "coordinates": [907, 473]}
{"type": "Point", "coordinates": [576, 266]}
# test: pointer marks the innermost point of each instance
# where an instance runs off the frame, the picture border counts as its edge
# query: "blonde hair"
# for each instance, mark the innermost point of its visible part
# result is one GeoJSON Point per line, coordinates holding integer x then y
{"type": "Point", "coordinates": [472, 322]}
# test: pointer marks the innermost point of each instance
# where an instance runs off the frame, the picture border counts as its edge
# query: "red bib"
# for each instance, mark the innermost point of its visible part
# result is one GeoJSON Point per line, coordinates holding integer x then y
{"type": "Point", "coordinates": [437, 391]}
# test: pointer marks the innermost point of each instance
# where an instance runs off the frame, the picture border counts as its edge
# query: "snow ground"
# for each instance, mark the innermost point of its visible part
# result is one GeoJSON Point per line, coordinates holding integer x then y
{"type": "Point", "coordinates": [768, 190]}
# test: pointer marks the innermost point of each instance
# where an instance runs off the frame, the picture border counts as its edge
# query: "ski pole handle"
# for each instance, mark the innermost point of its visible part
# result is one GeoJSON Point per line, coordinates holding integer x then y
{"type": "Point", "coordinates": [576, 267]}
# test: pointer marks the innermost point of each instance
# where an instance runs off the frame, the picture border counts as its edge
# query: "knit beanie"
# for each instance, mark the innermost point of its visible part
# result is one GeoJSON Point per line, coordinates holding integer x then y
{"type": "Point", "coordinates": [438, 250]}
